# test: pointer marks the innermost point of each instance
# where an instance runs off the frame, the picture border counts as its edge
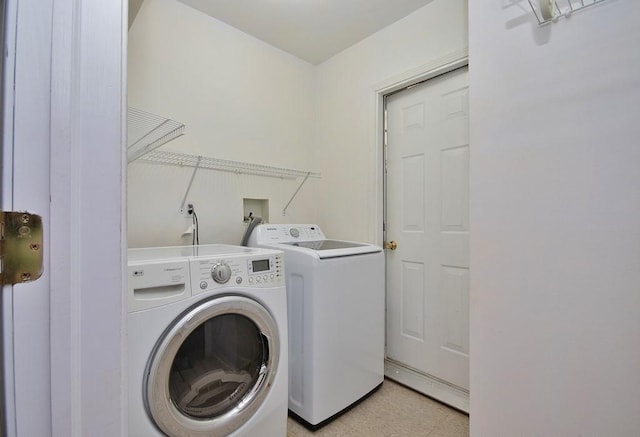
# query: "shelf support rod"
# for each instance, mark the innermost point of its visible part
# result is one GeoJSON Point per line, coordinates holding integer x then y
{"type": "Point", "coordinates": [193, 176]}
{"type": "Point", "coordinates": [284, 210]}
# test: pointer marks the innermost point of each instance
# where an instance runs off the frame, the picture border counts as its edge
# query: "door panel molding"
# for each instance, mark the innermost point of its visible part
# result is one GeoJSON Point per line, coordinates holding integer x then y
{"type": "Point", "coordinates": [437, 67]}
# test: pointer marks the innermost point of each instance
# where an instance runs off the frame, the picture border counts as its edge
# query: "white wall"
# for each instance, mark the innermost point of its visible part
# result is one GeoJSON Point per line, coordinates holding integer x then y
{"type": "Point", "coordinates": [555, 208]}
{"type": "Point", "coordinates": [347, 149]}
{"type": "Point", "coordinates": [240, 99]}
{"type": "Point", "coordinates": [244, 100]}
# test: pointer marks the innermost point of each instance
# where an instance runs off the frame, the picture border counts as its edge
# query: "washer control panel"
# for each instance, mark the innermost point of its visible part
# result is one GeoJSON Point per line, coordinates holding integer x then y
{"type": "Point", "coordinates": [256, 271]}
{"type": "Point", "coordinates": [221, 272]}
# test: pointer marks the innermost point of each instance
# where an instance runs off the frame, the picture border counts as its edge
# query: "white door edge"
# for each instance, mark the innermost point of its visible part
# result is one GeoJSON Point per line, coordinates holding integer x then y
{"type": "Point", "coordinates": [6, 203]}
{"type": "Point", "coordinates": [25, 188]}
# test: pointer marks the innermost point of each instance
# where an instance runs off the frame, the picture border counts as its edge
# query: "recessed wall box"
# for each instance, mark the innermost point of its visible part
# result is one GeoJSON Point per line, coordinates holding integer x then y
{"type": "Point", "coordinates": [255, 208]}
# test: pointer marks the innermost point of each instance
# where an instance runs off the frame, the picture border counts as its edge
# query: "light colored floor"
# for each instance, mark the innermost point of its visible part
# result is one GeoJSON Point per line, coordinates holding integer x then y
{"type": "Point", "coordinates": [392, 411]}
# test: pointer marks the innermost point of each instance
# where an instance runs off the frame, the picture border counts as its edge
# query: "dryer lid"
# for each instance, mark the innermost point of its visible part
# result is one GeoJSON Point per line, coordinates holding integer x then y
{"type": "Point", "coordinates": [335, 248]}
{"type": "Point", "coordinates": [326, 244]}
{"type": "Point", "coordinates": [306, 239]}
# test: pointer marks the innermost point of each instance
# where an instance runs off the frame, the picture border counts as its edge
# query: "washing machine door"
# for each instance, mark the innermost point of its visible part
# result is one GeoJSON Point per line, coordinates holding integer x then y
{"type": "Point", "coordinates": [213, 368]}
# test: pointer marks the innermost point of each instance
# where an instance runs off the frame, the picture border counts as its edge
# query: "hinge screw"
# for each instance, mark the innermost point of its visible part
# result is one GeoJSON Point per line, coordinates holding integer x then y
{"type": "Point", "coordinates": [26, 277]}
{"type": "Point", "coordinates": [25, 218]}
{"type": "Point", "coordinates": [34, 246]}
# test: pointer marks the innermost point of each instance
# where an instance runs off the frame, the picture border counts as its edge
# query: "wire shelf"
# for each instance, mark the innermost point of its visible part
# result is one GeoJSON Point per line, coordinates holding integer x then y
{"type": "Point", "coordinates": [547, 11]}
{"type": "Point", "coordinates": [146, 132]}
{"type": "Point", "coordinates": [184, 160]}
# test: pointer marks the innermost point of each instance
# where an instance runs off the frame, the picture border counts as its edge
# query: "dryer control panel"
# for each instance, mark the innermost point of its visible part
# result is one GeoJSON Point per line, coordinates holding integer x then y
{"type": "Point", "coordinates": [268, 234]}
{"type": "Point", "coordinates": [256, 271]}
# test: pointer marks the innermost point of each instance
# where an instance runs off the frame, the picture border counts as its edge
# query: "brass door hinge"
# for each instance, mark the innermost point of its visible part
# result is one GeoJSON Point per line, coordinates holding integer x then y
{"type": "Point", "coordinates": [20, 247]}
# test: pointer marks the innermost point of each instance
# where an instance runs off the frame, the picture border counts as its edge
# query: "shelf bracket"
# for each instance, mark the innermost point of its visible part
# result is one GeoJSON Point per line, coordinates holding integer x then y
{"type": "Point", "coordinates": [284, 210]}
{"type": "Point", "coordinates": [550, 11]}
{"type": "Point", "coordinates": [193, 176]}
{"type": "Point", "coordinates": [146, 132]}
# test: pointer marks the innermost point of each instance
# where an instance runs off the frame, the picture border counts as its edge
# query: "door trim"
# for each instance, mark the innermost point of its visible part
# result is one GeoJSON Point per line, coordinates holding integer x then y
{"type": "Point", "coordinates": [421, 382]}
{"type": "Point", "coordinates": [88, 219]}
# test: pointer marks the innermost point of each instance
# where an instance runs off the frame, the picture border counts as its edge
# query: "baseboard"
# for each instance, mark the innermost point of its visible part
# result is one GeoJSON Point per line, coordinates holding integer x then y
{"type": "Point", "coordinates": [428, 385]}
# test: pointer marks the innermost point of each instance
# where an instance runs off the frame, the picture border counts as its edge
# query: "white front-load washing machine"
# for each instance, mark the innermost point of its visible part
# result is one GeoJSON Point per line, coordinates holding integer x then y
{"type": "Point", "coordinates": [207, 342]}
{"type": "Point", "coordinates": [336, 297]}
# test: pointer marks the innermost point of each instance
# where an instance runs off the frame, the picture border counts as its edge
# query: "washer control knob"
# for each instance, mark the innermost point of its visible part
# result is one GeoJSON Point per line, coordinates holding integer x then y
{"type": "Point", "coordinates": [295, 233]}
{"type": "Point", "coordinates": [221, 273]}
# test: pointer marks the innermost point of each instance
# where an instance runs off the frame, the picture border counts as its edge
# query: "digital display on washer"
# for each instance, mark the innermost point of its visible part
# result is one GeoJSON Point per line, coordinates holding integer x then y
{"type": "Point", "coordinates": [259, 265]}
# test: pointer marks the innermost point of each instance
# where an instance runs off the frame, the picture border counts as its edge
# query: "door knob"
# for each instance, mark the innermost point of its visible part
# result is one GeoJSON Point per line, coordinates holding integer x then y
{"type": "Point", "coordinates": [392, 245]}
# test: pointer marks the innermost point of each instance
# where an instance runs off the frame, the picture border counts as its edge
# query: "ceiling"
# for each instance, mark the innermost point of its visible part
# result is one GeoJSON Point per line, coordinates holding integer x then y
{"type": "Point", "coordinates": [313, 30]}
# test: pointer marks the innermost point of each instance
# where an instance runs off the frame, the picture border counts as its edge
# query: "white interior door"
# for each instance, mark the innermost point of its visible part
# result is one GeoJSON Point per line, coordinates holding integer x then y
{"type": "Point", "coordinates": [427, 214]}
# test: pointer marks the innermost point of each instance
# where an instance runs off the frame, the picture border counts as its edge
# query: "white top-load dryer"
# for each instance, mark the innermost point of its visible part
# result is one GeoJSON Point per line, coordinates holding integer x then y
{"type": "Point", "coordinates": [335, 298]}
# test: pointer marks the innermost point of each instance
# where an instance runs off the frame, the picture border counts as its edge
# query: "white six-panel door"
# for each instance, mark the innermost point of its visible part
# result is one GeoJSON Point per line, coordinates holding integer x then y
{"type": "Point", "coordinates": [427, 214]}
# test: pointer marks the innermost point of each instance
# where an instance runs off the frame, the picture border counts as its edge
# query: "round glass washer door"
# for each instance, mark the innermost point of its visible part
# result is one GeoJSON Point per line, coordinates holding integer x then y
{"type": "Point", "coordinates": [212, 368]}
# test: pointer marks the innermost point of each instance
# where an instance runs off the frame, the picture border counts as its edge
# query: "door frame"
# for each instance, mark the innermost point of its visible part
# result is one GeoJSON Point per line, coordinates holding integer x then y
{"type": "Point", "coordinates": [426, 384]}
{"type": "Point", "coordinates": [88, 218]}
